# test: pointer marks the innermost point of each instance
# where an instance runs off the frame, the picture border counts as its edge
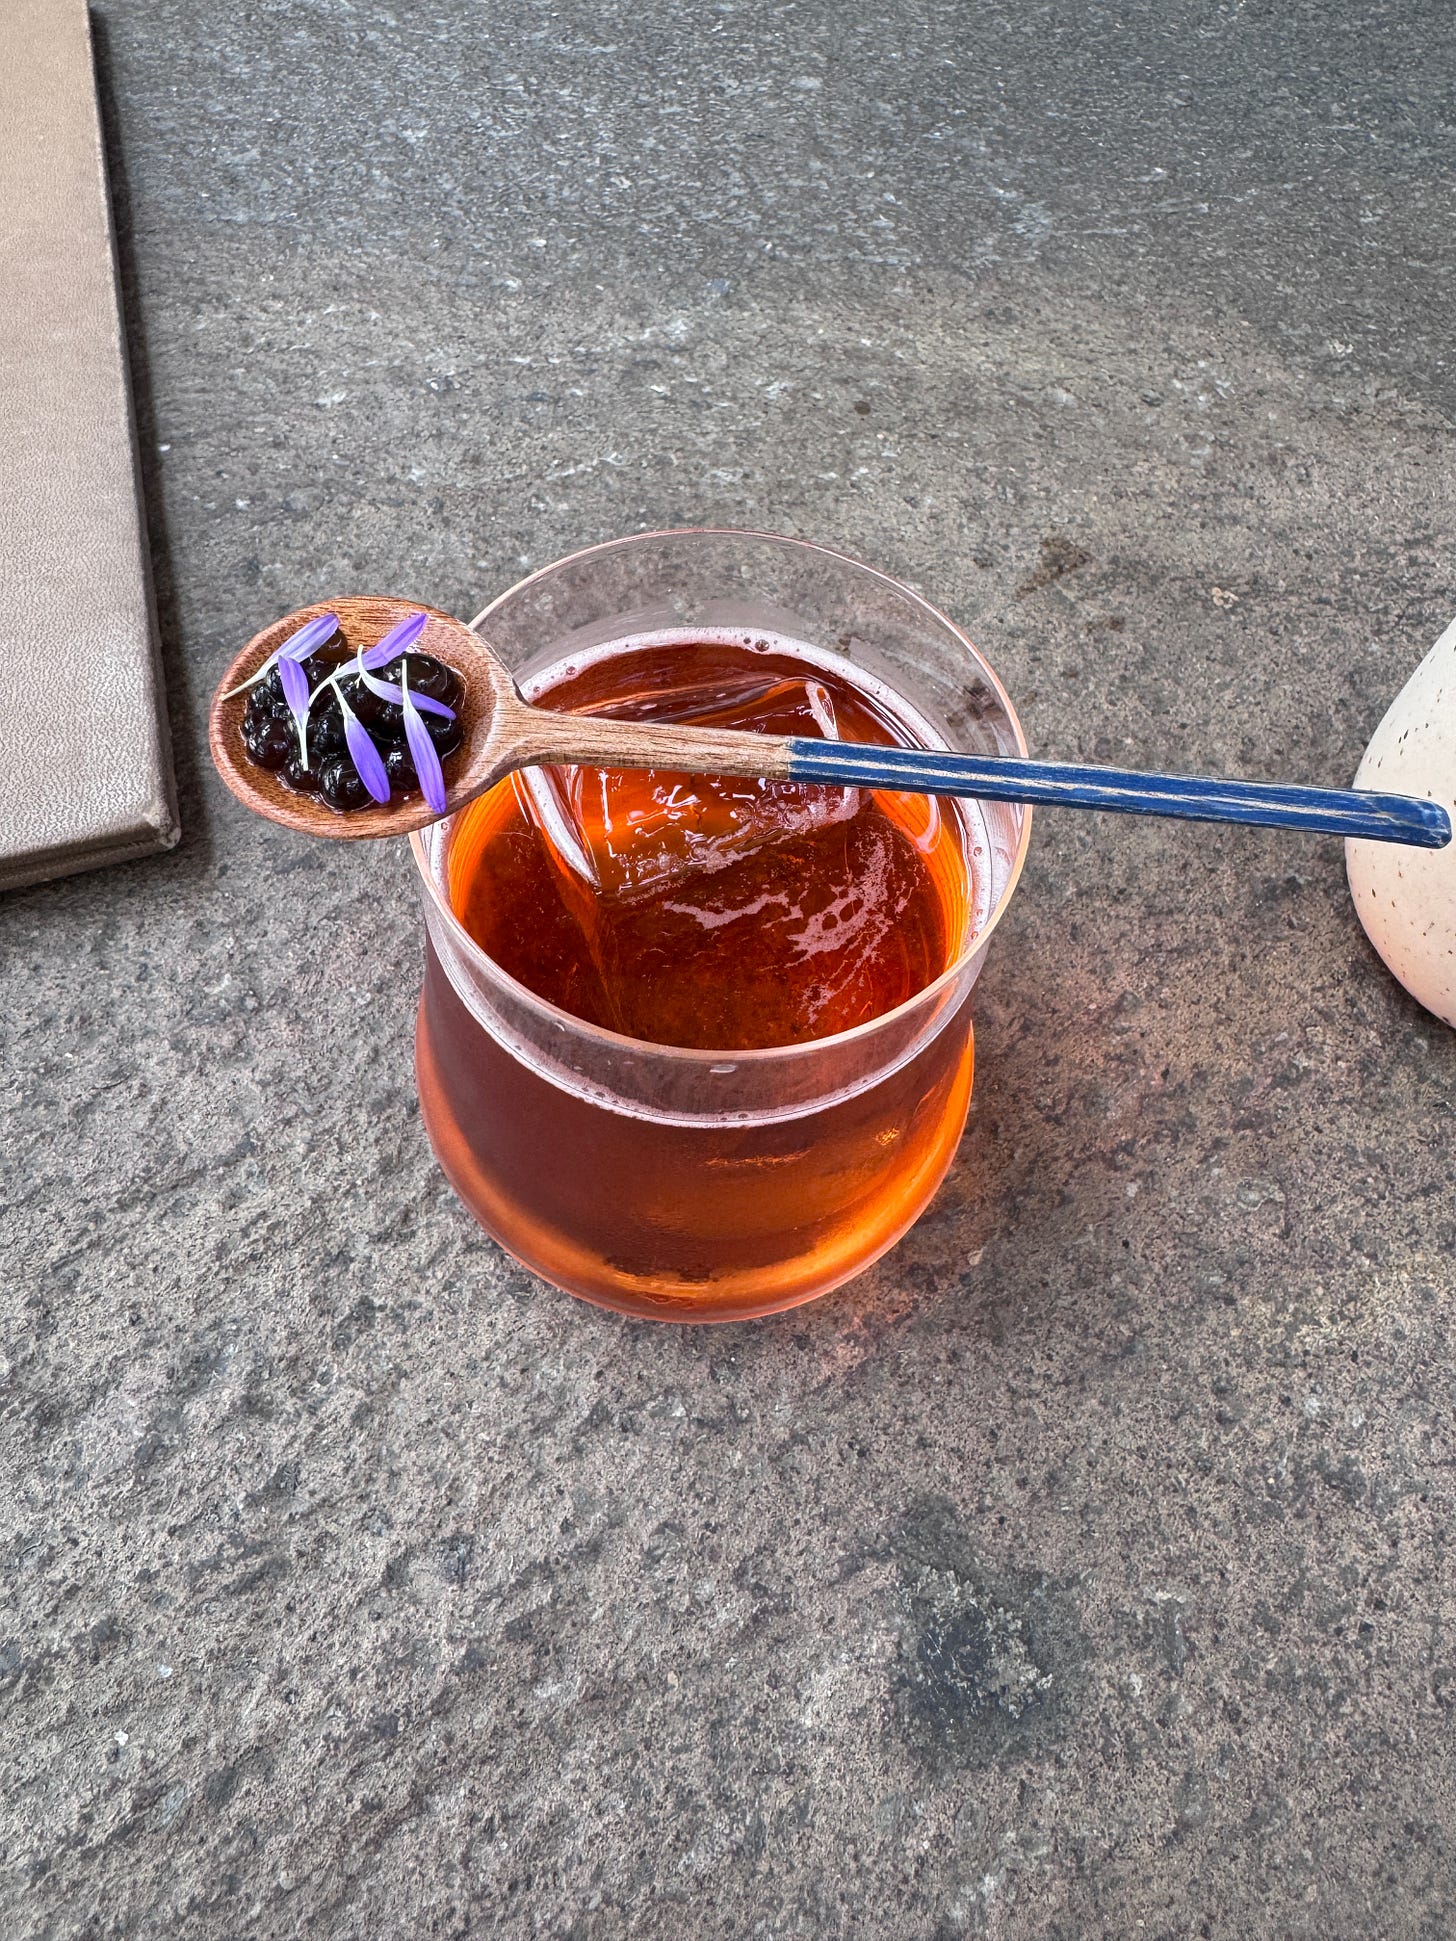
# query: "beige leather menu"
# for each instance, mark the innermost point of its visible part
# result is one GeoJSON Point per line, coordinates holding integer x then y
{"type": "Point", "coordinates": [85, 767]}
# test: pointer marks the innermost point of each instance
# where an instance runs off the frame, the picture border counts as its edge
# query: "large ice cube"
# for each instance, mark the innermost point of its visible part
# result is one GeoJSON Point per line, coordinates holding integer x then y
{"type": "Point", "coordinates": [627, 834]}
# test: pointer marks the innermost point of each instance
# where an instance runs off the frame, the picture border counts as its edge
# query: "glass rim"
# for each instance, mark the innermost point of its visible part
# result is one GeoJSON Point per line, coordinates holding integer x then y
{"type": "Point", "coordinates": [695, 1055]}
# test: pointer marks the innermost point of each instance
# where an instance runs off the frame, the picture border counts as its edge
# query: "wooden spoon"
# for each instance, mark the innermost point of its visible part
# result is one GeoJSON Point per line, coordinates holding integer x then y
{"type": "Point", "coordinates": [504, 733]}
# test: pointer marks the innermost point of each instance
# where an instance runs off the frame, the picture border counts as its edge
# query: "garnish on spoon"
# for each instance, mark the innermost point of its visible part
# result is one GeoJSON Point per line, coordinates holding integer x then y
{"type": "Point", "coordinates": [336, 728]}
{"type": "Point", "coordinates": [422, 749]}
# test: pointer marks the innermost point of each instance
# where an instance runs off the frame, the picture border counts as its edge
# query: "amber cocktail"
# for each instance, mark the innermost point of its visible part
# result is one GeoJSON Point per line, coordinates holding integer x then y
{"type": "Point", "coordinates": [700, 1048]}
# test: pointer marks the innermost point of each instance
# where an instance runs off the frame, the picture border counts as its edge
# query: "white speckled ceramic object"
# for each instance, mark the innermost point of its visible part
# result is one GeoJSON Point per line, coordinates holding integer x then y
{"type": "Point", "coordinates": [1406, 898]}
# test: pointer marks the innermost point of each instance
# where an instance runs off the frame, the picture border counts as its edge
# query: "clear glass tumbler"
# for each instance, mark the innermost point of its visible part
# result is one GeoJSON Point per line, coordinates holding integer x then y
{"type": "Point", "coordinates": [698, 1185]}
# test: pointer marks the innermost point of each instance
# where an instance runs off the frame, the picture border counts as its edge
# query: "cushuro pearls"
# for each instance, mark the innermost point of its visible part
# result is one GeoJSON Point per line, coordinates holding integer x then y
{"type": "Point", "coordinates": [354, 725]}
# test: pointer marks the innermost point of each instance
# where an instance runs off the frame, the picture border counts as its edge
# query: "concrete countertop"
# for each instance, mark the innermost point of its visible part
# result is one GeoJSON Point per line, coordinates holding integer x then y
{"type": "Point", "coordinates": [1082, 1570]}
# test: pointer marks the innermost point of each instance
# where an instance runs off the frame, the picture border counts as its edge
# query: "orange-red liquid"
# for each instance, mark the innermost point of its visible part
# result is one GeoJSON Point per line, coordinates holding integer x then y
{"type": "Point", "coordinates": [717, 914]}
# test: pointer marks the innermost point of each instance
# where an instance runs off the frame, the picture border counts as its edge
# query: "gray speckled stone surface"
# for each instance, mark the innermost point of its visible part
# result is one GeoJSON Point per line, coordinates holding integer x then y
{"type": "Point", "coordinates": [1081, 1571]}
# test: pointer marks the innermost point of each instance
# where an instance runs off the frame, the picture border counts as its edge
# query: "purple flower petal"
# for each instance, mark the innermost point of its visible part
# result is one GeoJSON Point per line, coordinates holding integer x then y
{"type": "Point", "coordinates": [423, 755]}
{"type": "Point", "coordinates": [366, 756]}
{"type": "Point", "coordinates": [297, 647]}
{"type": "Point", "coordinates": [300, 645]}
{"type": "Point", "coordinates": [294, 682]}
{"type": "Point", "coordinates": [295, 692]}
{"type": "Point", "coordinates": [396, 641]}
{"type": "Point", "coordinates": [387, 691]}
{"type": "Point", "coordinates": [361, 668]}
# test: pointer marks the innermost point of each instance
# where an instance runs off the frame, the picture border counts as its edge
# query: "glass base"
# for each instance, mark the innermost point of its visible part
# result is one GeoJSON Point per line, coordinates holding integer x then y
{"type": "Point", "coordinates": [685, 1224]}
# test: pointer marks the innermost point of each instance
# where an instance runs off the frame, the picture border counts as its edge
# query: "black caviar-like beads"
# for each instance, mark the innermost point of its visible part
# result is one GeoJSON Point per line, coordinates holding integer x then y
{"type": "Point", "coordinates": [400, 768]}
{"type": "Point", "coordinates": [270, 734]}
{"type": "Point", "coordinates": [305, 780]}
{"type": "Point", "coordinates": [340, 786]}
{"type": "Point", "coordinates": [268, 742]}
{"type": "Point", "coordinates": [446, 734]}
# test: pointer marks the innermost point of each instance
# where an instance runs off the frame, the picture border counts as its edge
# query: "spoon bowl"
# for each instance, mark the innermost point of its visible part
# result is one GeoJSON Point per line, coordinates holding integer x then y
{"type": "Point", "coordinates": [364, 619]}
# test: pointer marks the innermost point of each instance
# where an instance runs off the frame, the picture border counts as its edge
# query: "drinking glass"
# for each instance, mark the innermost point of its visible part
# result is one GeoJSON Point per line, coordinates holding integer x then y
{"type": "Point", "coordinates": [697, 1185]}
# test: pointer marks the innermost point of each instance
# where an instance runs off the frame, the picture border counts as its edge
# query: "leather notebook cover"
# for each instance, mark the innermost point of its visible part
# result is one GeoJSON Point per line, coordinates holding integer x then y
{"type": "Point", "coordinates": [85, 766]}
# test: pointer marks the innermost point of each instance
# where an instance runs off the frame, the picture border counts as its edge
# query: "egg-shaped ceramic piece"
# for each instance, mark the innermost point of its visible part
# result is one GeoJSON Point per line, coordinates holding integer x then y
{"type": "Point", "coordinates": [1406, 898]}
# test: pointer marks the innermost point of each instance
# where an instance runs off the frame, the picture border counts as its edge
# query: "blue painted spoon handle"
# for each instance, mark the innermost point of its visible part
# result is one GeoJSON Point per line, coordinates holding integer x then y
{"type": "Point", "coordinates": [1330, 812]}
